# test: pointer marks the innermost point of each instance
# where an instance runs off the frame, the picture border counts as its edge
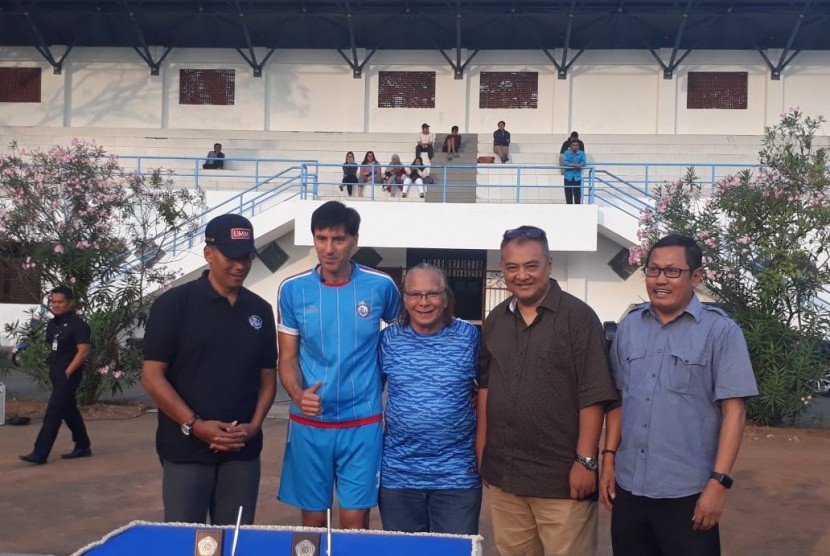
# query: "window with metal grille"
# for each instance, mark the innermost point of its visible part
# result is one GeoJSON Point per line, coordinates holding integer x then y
{"type": "Point", "coordinates": [512, 89]}
{"type": "Point", "coordinates": [19, 84]}
{"type": "Point", "coordinates": [17, 285]}
{"type": "Point", "coordinates": [720, 90]}
{"type": "Point", "coordinates": [203, 86]}
{"type": "Point", "coordinates": [406, 89]}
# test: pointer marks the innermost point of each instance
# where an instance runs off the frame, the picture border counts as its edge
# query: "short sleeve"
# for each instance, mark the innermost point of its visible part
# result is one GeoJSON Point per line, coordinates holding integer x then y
{"type": "Point", "coordinates": [161, 333]}
{"type": "Point", "coordinates": [595, 384]}
{"type": "Point", "coordinates": [269, 352]}
{"type": "Point", "coordinates": [731, 367]}
{"type": "Point", "coordinates": [614, 361]}
{"type": "Point", "coordinates": [392, 302]}
{"type": "Point", "coordinates": [475, 348]}
{"type": "Point", "coordinates": [484, 360]}
{"type": "Point", "coordinates": [83, 334]}
{"type": "Point", "coordinates": [383, 350]}
{"type": "Point", "coordinates": [287, 319]}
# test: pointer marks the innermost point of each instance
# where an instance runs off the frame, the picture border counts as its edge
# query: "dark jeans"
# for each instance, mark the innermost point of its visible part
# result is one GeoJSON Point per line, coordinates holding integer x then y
{"type": "Point", "coordinates": [453, 511]}
{"type": "Point", "coordinates": [429, 150]}
{"type": "Point", "coordinates": [62, 406]}
{"type": "Point", "coordinates": [349, 182]}
{"type": "Point", "coordinates": [643, 526]}
{"type": "Point", "coordinates": [573, 192]}
{"type": "Point", "coordinates": [193, 491]}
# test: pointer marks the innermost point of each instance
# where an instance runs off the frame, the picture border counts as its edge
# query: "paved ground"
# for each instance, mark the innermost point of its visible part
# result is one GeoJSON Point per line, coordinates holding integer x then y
{"type": "Point", "coordinates": [780, 503]}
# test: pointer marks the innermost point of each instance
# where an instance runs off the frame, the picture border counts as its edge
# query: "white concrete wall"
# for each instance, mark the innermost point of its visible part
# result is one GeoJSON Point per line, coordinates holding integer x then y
{"type": "Point", "coordinates": [606, 92]}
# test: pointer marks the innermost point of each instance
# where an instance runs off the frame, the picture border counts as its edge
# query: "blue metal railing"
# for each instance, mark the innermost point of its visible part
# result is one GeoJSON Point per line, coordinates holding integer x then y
{"type": "Point", "coordinates": [627, 187]}
{"type": "Point", "coordinates": [239, 173]}
{"type": "Point", "coordinates": [281, 184]}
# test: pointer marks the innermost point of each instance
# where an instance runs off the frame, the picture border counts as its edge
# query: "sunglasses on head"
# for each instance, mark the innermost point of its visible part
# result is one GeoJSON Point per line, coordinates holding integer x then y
{"type": "Point", "coordinates": [526, 231]}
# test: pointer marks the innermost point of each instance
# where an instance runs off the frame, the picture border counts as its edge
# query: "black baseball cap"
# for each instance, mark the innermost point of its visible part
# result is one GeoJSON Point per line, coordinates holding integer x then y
{"type": "Point", "coordinates": [232, 234]}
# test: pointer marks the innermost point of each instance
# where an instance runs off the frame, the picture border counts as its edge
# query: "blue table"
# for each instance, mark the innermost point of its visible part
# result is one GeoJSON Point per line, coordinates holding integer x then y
{"type": "Point", "coordinates": [161, 539]}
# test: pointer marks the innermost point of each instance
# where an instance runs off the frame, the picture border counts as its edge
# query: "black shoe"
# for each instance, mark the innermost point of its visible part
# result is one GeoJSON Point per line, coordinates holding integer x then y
{"type": "Point", "coordinates": [33, 458]}
{"type": "Point", "coordinates": [78, 453]}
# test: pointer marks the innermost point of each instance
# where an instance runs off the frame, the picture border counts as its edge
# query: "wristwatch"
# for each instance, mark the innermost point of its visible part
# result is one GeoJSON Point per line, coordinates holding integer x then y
{"type": "Point", "coordinates": [591, 464]}
{"type": "Point", "coordinates": [722, 478]}
{"type": "Point", "coordinates": [187, 428]}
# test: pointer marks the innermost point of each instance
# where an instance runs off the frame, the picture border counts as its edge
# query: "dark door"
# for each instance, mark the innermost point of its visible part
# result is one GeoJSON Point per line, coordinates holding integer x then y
{"type": "Point", "coordinates": [465, 270]}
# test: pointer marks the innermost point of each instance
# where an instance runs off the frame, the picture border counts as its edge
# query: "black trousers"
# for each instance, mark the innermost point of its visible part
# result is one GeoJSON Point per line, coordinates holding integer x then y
{"type": "Point", "coordinates": [62, 406]}
{"type": "Point", "coordinates": [192, 492]}
{"type": "Point", "coordinates": [429, 150]}
{"type": "Point", "coordinates": [643, 526]}
{"type": "Point", "coordinates": [349, 182]}
{"type": "Point", "coordinates": [573, 192]}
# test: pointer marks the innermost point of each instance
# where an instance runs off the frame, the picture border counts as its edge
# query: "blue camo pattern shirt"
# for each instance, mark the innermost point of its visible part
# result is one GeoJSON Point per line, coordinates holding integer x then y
{"type": "Point", "coordinates": [429, 441]}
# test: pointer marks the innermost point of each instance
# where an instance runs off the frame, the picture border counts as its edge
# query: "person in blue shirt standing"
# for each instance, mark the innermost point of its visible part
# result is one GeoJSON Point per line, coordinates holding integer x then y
{"type": "Point", "coordinates": [429, 361]}
{"type": "Point", "coordinates": [573, 160]}
{"type": "Point", "coordinates": [684, 373]}
{"type": "Point", "coordinates": [329, 329]}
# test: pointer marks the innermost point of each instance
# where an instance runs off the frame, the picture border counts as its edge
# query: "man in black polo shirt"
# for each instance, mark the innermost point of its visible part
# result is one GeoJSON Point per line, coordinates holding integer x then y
{"type": "Point", "coordinates": [210, 354]}
{"type": "Point", "coordinates": [68, 339]}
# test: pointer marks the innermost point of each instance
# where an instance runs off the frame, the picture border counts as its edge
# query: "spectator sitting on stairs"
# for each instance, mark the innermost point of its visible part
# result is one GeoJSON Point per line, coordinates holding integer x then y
{"type": "Point", "coordinates": [215, 158]}
{"type": "Point", "coordinates": [452, 143]}
{"type": "Point", "coordinates": [419, 175]}
{"type": "Point", "coordinates": [394, 174]}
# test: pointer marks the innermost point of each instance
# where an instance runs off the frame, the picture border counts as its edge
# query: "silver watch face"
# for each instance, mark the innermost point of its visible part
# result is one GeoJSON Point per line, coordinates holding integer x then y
{"type": "Point", "coordinates": [591, 464]}
{"type": "Point", "coordinates": [187, 429]}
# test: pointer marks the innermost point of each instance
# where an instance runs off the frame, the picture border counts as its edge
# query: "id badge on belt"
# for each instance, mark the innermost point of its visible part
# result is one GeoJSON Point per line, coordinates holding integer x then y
{"type": "Point", "coordinates": [55, 344]}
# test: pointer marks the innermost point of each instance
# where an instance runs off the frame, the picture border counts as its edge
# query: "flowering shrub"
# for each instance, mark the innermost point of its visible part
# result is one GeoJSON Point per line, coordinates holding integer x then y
{"type": "Point", "coordinates": [73, 216]}
{"type": "Point", "coordinates": [765, 236]}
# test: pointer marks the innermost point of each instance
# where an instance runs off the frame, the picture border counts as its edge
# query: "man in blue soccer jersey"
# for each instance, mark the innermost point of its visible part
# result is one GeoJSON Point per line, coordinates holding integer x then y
{"type": "Point", "coordinates": [329, 329]}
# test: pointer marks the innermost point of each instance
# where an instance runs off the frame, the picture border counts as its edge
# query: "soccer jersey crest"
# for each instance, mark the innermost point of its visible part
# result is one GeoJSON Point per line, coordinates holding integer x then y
{"type": "Point", "coordinates": [255, 321]}
{"type": "Point", "coordinates": [363, 309]}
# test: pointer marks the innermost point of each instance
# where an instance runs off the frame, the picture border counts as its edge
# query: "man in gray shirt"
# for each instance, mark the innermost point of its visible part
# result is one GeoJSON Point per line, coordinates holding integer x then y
{"type": "Point", "coordinates": [684, 373]}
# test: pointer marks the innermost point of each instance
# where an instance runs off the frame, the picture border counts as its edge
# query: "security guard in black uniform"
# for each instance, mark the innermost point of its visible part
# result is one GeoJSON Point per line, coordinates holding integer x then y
{"type": "Point", "coordinates": [67, 338]}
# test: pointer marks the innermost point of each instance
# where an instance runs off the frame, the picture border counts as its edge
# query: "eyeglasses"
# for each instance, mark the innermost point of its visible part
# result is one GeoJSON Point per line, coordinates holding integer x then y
{"type": "Point", "coordinates": [418, 296]}
{"type": "Point", "coordinates": [525, 231]}
{"type": "Point", "coordinates": [654, 271]}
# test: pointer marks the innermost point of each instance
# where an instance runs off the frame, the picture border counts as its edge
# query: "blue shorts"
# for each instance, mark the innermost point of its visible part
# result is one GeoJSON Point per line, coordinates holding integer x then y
{"type": "Point", "coordinates": [320, 459]}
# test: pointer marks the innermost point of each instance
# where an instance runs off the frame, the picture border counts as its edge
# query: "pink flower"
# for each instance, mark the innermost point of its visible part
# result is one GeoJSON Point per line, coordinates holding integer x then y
{"type": "Point", "coordinates": [58, 249]}
{"type": "Point", "coordinates": [117, 374]}
{"type": "Point", "coordinates": [743, 240]}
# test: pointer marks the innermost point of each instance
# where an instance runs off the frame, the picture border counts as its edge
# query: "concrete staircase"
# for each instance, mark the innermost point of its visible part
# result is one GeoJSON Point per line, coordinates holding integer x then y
{"type": "Point", "coordinates": [461, 182]}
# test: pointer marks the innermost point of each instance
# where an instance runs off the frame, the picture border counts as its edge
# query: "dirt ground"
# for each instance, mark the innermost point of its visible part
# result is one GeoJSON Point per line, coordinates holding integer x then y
{"type": "Point", "coordinates": [780, 504]}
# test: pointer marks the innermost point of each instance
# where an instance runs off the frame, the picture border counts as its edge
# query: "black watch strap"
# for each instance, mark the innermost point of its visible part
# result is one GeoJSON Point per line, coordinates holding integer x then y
{"type": "Point", "coordinates": [722, 478]}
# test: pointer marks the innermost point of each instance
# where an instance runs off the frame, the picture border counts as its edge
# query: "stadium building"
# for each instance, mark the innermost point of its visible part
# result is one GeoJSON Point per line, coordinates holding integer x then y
{"type": "Point", "coordinates": [288, 86]}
